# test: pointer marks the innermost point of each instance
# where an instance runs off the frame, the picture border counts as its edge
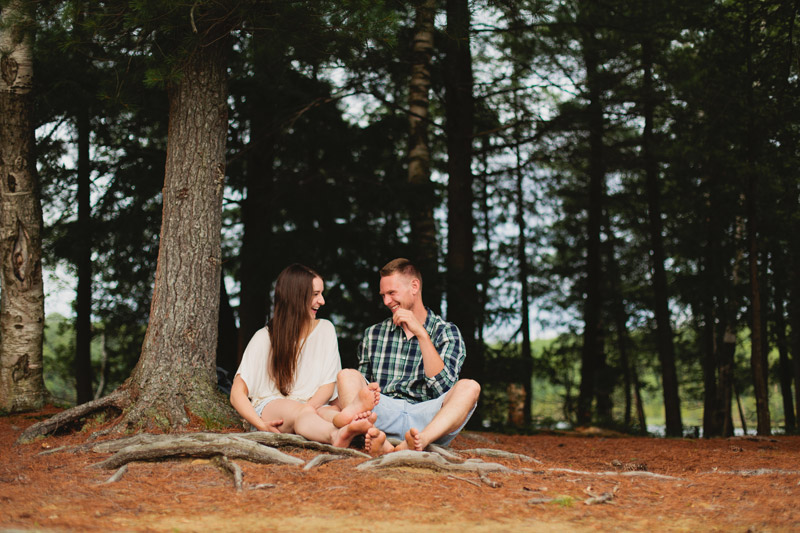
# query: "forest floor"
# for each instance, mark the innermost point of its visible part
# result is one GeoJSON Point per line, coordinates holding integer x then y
{"type": "Point", "coordinates": [644, 484]}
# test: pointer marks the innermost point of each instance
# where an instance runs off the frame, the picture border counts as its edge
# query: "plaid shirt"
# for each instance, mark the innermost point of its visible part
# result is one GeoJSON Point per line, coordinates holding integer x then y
{"type": "Point", "coordinates": [385, 355]}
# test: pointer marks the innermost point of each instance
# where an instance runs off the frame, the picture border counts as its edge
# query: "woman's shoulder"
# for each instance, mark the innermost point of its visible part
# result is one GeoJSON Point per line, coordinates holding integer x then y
{"type": "Point", "coordinates": [326, 325]}
{"type": "Point", "coordinates": [259, 337]}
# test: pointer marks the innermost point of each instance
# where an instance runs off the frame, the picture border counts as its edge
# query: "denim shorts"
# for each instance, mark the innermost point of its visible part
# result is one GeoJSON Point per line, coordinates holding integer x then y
{"type": "Point", "coordinates": [397, 416]}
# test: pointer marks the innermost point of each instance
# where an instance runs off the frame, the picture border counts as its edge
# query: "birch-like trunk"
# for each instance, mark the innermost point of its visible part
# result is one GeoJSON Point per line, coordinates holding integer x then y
{"type": "Point", "coordinates": [22, 300]}
{"type": "Point", "coordinates": [423, 226]}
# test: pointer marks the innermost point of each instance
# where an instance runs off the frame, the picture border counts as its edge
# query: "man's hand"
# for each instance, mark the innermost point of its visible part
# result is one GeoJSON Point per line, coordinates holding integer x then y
{"type": "Point", "coordinates": [406, 319]}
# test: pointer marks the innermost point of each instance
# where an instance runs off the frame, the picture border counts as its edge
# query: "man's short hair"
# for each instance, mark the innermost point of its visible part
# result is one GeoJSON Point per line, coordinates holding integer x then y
{"type": "Point", "coordinates": [403, 266]}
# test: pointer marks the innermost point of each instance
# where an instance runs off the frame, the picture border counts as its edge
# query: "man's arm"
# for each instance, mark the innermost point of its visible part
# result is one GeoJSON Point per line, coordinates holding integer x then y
{"type": "Point", "coordinates": [431, 359]}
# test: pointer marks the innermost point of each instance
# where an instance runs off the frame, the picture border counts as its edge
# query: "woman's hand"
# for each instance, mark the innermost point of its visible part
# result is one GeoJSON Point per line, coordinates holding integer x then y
{"type": "Point", "coordinates": [271, 426]}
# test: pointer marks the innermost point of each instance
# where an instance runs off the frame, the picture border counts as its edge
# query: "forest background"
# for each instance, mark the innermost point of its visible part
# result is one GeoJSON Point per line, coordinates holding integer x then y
{"type": "Point", "coordinates": [625, 169]}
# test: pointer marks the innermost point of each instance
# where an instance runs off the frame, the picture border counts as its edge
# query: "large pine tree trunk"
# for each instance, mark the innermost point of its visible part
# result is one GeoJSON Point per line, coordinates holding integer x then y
{"type": "Point", "coordinates": [664, 341]}
{"type": "Point", "coordinates": [461, 287]}
{"type": "Point", "coordinates": [22, 300]}
{"type": "Point", "coordinates": [175, 375]}
{"type": "Point", "coordinates": [423, 225]}
{"type": "Point", "coordinates": [593, 352]}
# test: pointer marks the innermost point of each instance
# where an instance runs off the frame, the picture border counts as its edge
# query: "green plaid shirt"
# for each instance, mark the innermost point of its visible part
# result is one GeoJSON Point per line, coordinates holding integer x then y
{"type": "Point", "coordinates": [385, 355]}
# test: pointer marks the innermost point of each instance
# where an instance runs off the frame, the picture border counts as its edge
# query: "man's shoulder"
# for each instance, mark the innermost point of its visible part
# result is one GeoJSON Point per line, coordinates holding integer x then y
{"type": "Point", "coordinates": [380, 326]}
{"type": "Point", "coordinates": [438, 323]}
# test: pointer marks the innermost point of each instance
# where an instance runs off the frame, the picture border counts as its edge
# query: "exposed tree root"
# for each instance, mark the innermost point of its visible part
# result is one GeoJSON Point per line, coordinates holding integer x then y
{"type": "Point", "coordinates": [500, 454]}
{"type": "Point", "coordinates": [118, 400]}
{"type": "Point", "coordinates": [758, 472]}
{"type": "Point", "coordinates": [117, 475]}
{"type": "Point", "coordinates": [605, 497]}
{"type": "Point", "coordinates": [296, 441]}
{"type": "Point", "coordinates": [625, 474]}
{"type": "Point", "coordinates": [431, 461]}
{"type": "Point", "coordinates": [198, 445]}
{"type": "Point", "coordinates": [320, 460]}
{"type": "Point", "coordinates": [446, 452]}
{"type": "Point", "coordinates": [231, 468]}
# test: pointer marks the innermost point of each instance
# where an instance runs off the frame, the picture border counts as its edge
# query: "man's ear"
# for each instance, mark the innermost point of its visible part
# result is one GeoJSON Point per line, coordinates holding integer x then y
{"type": "Point", "coordinates": [415, 285]}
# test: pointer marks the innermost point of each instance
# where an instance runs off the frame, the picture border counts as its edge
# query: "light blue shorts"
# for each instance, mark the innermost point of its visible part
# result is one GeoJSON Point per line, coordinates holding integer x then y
{"type": "Point", "coordinates": [397, 416]}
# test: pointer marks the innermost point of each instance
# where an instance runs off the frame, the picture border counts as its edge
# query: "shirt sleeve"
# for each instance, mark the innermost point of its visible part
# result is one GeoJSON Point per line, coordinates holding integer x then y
{"type": "Point", "coordinates": [448, 342]}
{"type": "Point", "coordinates": [255, 358]}
{"type": "Point", "coordinates": [333, 362]}
{"type": "Point", "coordinates": [364, 364]}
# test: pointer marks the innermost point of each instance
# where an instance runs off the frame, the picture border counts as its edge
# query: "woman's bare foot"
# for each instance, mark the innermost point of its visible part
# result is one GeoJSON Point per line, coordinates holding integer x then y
{"type": "Point", "coordinates": [375, 442]}
{"type": "Point", "coordinates": [360, 408]}
{"type": "Point", "coordinates": [343, 436]}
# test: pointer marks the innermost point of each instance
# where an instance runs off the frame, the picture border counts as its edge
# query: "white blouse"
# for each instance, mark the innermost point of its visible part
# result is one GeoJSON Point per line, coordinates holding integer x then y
{"type": "Point", "coordinates": [317, 365]}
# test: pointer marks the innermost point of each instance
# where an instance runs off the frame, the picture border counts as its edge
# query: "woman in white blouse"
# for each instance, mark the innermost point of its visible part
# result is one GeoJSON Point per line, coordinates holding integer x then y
{"type": "Point", "coordinates": [287, 376]}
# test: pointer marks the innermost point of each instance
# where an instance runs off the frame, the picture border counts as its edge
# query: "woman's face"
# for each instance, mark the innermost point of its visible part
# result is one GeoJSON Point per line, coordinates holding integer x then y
{"type": "Point", "coordinates": [317, 301]}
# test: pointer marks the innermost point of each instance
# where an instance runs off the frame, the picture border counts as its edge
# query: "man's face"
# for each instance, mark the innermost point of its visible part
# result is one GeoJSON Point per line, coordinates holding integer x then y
{"type": "Point", "coordinates": [397, 292]}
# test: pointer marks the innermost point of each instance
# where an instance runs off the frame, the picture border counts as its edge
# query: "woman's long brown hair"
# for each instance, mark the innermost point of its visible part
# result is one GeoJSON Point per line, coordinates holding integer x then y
{"type": "Point", "coordinates": [293, 291]}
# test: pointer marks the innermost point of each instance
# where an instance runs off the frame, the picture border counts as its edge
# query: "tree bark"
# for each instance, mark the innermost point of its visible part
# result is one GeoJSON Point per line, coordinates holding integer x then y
{"type": "Point", "coordinates": [175, 375]}
{"type": "Point", "coordinates": [664, 340]}
{"type": "Point", "coordinates": [255, 274]}
{"type": "Point", "coordinates": [593, 352]}
{"type": "Point", "coordinates": [422, 201]}
{"type": "Point", "coordinates": [22, 300]}
{"type": "Point", "coordinates": [758, 359]}
{"type": "Point", "coordinates": [461, 287]}
{"type": "Point", "coordinates": [83, 262]}
{"type": "Point", "coordinates": [524, 287]}
{"type": "Point", "coordinates": [784, 362]}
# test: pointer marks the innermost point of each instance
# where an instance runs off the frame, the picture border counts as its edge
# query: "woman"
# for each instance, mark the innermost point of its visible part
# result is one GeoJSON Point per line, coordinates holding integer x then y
{"type": "Point", "coordinates": [288, 371]}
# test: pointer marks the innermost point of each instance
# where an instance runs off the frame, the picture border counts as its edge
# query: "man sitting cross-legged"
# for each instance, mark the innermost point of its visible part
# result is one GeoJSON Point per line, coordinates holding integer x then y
{"type": "Point", "coordinates": [415, 358]}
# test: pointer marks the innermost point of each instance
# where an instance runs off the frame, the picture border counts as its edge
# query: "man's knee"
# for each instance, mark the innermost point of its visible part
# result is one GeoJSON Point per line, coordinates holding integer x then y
{"type": "Point", "coordinates": [468, 389]}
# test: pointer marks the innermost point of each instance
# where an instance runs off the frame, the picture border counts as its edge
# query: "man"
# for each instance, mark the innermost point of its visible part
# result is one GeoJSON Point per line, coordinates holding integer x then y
{"type": "Point", "coordinates": [414, 357]}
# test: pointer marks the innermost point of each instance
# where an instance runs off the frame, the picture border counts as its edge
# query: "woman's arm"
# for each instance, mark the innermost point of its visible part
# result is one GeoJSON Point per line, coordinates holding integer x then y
{"type": "Point", "coordinates": [322, 395]}
{"type": "Point", "coordinates": [241, 403]}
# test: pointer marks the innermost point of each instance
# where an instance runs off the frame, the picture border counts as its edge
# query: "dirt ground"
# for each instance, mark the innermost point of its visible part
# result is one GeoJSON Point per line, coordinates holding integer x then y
{"type": "Point", "coordinates": [701, 485]}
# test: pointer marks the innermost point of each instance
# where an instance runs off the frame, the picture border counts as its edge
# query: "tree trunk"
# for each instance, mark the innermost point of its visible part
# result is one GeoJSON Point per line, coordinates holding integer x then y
{"type": "Point", "coordinates": [593, 352]}
{"type": "Point", "coordinates": [83, 262]}
{"type": "Point", "coordinates": [620, 317]}
{"type": "Point", "coordinates": [175, 375]}
{"type": "Point", "coordinates": [423, 225]}
{"type": "Point", "coordinates": [664, 340]}
{"type": "Point", "coordinates": [524, 287]}
{"type": "Point", "coordinates": [784, 363]}
{"type": "Point", "coordinates": [461, 287]}
{"type": "Point", "coordinates": [255, 275]}
{"type": "Point", "coordinates": [758, 359]}
{"type": "Point", "coordinates": [22, 299]}
{"type": "Point", "coordinates": [794, 323]}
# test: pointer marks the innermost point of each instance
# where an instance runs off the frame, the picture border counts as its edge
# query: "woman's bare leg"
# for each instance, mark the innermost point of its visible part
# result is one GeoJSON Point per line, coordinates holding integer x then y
{"type": "Point", "coordinates": [283, 409]}
{"type": "Point", "coordinates": [312, 426]}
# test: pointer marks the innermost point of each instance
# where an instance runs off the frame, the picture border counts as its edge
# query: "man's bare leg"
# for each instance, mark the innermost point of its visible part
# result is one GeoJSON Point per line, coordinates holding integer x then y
{"type": "Point", "coordinates": [455, 408]}
{"type": "Point", "coordinates": [360, 407]}
{"type": "Point", "coordinates": [375, 442]}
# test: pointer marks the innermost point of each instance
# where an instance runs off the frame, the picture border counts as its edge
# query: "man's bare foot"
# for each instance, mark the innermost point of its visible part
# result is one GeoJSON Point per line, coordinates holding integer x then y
{"type": "Point", "coordinates": [375, 442]}
{"type": "Point", "coordinates": [343, 436]}
{"type": "Point", "coordinates": [413, 440]}
{"type": "Point", "coordinates": [360, 408]}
